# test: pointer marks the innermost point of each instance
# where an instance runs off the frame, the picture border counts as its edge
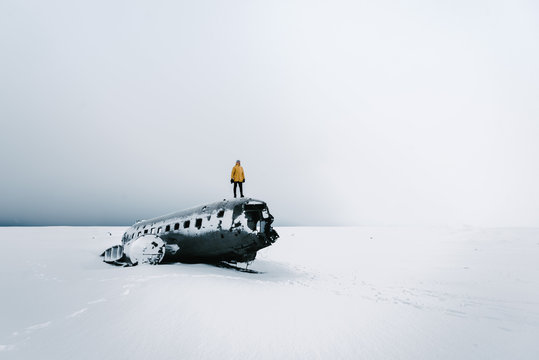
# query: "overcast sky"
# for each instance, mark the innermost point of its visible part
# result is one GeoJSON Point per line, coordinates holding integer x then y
{"type": "Point", "coordinates": [342, 112]}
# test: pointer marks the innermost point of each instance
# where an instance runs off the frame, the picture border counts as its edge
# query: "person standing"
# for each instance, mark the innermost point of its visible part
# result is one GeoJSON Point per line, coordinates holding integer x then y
{"type": "Point", "coordinates": [237, 177]}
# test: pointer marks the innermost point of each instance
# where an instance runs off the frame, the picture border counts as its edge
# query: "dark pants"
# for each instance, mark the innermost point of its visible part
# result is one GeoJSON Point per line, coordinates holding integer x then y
{"type": "Point", "coordinates": [236, 183]}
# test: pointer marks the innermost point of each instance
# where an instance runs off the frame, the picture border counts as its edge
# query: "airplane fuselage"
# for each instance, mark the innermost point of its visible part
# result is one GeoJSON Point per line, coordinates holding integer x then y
{"type": "Point", "coordinates": [229, 230]}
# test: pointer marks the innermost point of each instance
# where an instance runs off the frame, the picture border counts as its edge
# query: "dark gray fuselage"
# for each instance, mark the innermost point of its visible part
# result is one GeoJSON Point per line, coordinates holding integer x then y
{"type": "Point", "coordinates": [229, 230]}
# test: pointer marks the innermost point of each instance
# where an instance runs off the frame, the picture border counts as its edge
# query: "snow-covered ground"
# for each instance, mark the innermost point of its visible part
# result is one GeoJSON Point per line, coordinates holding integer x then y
{"type": "Point", "coordinates": [329, 293]}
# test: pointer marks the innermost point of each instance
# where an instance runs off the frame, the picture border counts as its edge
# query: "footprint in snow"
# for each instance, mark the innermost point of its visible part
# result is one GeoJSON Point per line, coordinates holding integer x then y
{"type": "Point", "coordinates": [77, 313]}
{"type": "Point", "coordinates": [35, 327]}
{"type": "Point", "coordinates": [96, 301]}
{"type": "Point", "coordinates": [127, 289]}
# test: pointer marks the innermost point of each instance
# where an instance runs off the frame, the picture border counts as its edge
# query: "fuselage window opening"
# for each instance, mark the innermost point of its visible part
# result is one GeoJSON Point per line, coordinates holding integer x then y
{"type": "Point", "coordinates": [221, 213]}
{"type": "Point", "coordinates": [177, 226]}
{"type": "Point", "coordinates": [152, 231]}
{"type": "Point", "coordinates": [167, 228]}
{"type": "Point", "coordinates": [186, 224]}
{"type": "Point", "coordinates": [132, 235]}
{"type": "Point", "coordinates": [159, 230]}
{"type": "Point", "coordinates": [138, 233]}
{"type": "Point", "coordinates": [145, 231]}
{"type": "Point", "coordinates": [198, 223]}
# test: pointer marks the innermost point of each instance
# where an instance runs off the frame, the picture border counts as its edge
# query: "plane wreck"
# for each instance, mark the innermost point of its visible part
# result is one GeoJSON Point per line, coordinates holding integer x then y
{"type": "Point", "coordinates": [225, 231]}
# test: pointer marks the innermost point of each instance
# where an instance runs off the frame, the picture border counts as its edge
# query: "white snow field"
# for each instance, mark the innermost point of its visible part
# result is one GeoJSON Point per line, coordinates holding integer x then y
{"type": "Point", "coordinates": [321, 293]}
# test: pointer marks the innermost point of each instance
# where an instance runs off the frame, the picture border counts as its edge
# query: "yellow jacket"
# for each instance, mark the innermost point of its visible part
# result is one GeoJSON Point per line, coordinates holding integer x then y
{"type": "Point", "coordinates": [237, 174]}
